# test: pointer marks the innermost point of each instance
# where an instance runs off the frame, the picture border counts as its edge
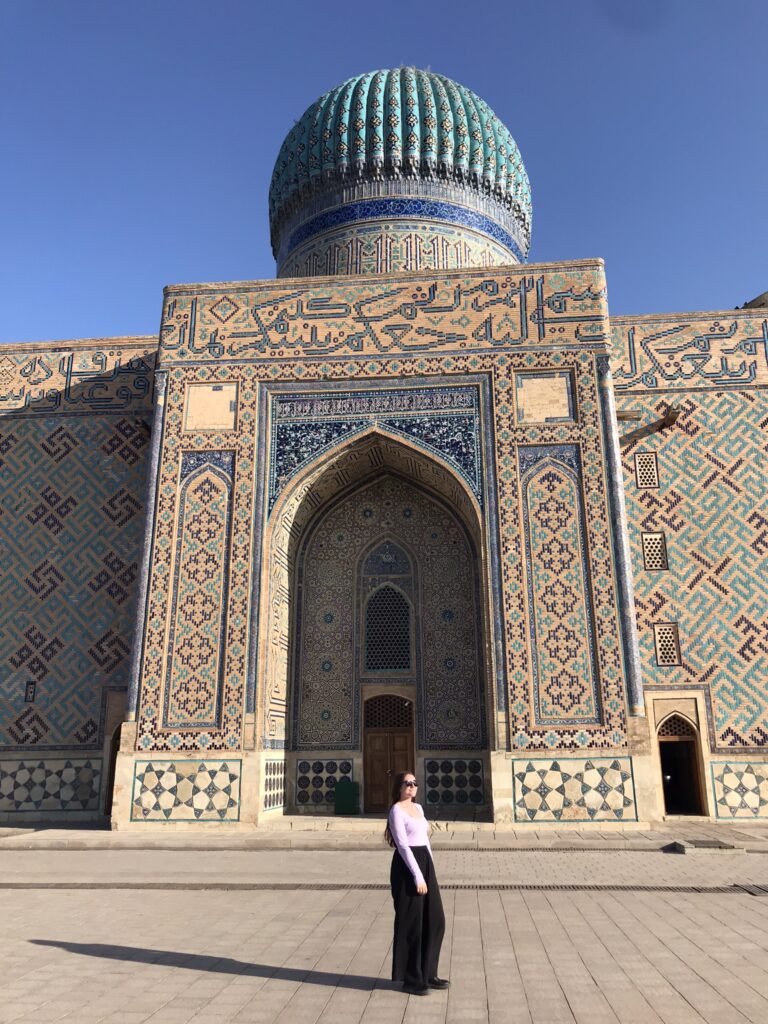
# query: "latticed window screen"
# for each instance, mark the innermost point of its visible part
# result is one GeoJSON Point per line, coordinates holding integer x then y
{"type": "Point", "coordinates": [387, 632]}
{"type": "Point", "coordinates": [646, 470]}
{"type": "Point", "coordinates": [654, 551]}
{"type": "Point", "coordinates": [676, 727]}
{"type": "Point", "coordinates": [667, 642]}
{"type": "Point", "coordinates": [388, 712]}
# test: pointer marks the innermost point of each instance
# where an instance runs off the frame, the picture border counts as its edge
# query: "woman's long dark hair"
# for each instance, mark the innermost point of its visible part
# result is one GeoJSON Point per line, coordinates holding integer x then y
{"type": "Point", "coordinates": [394, 798]}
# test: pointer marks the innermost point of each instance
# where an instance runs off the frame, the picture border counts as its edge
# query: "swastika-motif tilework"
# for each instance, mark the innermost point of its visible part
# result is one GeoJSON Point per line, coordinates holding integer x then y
{"type": "Point", "coordinates": [71, 527]}
{"type": "Point", "coordinates": [55, 784]}
{"type": "Point", "coordinates": [566, 690]}
{"type": "Point", "coordinates": [571, 790]}
{"type": "Point", "coordinates": [712, 505]}
{"type": "Point", "coordinates": [554, 305]}
{"type": "Point", "coordinates": [186, 791]}
{"type": "Point", "coordinates": [740, 789]}
{"type": "Point", "coordinates": [692, 350]}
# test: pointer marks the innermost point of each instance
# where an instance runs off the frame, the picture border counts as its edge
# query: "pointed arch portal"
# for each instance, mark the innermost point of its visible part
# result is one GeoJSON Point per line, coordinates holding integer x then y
{"type": "Point", "coordinates": [376, 590]}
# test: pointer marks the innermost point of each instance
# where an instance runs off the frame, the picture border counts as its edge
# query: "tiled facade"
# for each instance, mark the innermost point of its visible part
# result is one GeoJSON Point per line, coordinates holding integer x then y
{"type": "Point", "coordinates": [74, 438]}
{"type": "Point", "coordinates": [202, 533]}
{"type": "Point", "coordinates": [481, 397]}
{"type": "Point", "coordinates": [703, 504]}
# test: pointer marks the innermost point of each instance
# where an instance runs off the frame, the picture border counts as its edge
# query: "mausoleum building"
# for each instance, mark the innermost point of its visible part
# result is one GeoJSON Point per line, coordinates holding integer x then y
{"type": "Point", "coordinates": [414, 503]}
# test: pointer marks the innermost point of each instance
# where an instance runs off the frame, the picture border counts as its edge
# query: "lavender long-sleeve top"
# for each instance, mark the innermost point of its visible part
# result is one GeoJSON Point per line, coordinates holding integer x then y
{"type": "Point", "coordinates": [408, 831]}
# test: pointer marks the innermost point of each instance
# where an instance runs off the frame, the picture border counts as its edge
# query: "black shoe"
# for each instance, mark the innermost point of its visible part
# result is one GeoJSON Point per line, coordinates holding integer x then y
{"type": "Point", "coordinates": [438, 983]}
{"type": "Point", "coordinates": [415, 990]}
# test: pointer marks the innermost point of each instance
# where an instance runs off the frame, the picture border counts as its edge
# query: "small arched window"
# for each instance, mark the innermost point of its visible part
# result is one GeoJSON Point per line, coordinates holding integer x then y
{"type": "Point", "coordinates": [387, 631]}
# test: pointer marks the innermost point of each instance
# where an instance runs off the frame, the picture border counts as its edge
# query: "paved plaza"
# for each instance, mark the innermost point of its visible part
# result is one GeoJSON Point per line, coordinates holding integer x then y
{"type": "Point", "coordinates": [238, 937]}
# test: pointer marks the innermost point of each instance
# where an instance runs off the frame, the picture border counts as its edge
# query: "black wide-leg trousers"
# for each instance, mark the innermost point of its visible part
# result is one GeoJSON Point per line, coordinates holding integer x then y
{"type": "Point", "coordinates": [419, 921]}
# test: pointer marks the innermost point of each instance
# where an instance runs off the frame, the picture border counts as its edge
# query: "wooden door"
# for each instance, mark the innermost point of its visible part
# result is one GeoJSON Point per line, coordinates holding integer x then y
{"type": "Point", "coordinates": [387, 752]}
{"type": "Point", "coordinates": [387, 747]}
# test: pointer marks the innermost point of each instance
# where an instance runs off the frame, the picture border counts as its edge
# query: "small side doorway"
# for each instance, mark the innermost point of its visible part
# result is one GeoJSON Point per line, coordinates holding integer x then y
{"type": "Point", "coordinates": [680, 776]}
{"type": "Point", "coordinates": [387, 747]}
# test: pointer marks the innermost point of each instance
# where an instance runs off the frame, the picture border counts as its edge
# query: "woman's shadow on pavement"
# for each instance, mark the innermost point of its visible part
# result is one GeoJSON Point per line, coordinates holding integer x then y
{"type": "Point", "coordinates": [219, 965]}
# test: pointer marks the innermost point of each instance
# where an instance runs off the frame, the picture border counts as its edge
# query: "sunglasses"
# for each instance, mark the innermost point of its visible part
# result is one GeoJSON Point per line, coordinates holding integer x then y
{"type": "Point", "coordinates": [413, 784]}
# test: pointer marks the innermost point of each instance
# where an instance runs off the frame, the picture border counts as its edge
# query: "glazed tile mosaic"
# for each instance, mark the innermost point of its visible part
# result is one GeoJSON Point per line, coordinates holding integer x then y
{"type": "Point", "coordinates": [557, 305]}
{"type": "Point", "coordinates": [274, 784]}
{"type": "Point", "coordinates": [316, 781]}
{"type": "Point", "coordinates": [71, 495]}
{"type": "Point", "coordinates": [443, 420]}
{"type": "Point", "coordinates": [740, 789]}
{"type": "Point", "coordinates": [712, 507]}
{"type": "Point", "coordinates": [388, 534]}
{"type": "Point", "coordinates": [407, 483]}
{"type": "Point", "coordinates": [711, 351]}
{"type": "Point", "coordinates": [569, 789]}
{"type": "Point", "coordinates": [52, 784]}
{"type": "Point", "coordinates": [186, 791]}
{"type": "Point", "coordinates": [566, 690]}
{"type": "Point", "coordinates": [531, 304]}
{"type": "Point", "coordinates": [454, 782]}
{"type": "Point", "coordinates": [200, 588]}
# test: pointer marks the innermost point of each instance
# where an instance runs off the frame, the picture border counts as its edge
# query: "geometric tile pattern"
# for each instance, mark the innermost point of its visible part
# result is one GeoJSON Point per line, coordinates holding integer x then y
{"type": "Point", "coordinates": [357, 548]}
{"type": "Point", "coordinates": [316, 781]}
{"type": "Point", "coordinates": [572, 789]}
{"type": "Point", "coordinates": [413, 326]}
{"type": "Point", "coordinates": [712, 507]}
{"type": "Point", "coordinates": [562, 643]}
{"type": "Point", "coordinates": [71, 516]}
{"type": "Point", "coordinates": [186, 791]}
{"type": "Point", "coordinates": [740, 788]}
{"type": "Point", "coordinates": [201, 563]}
{"type": "Point", "coordinates": [53, 784]}
{"type": "Point", "coordinates": [456, 781]}
{"type": "Point", "coordinates": [443, 420]}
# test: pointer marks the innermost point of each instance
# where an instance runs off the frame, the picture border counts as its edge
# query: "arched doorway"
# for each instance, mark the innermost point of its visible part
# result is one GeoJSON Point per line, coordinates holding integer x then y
{"type": "Point", "coordinates": [388, 746]}
{"type": "Point", "coordinates": [386, 615]}
{"type": "Point", "coordinates": [680, 774]}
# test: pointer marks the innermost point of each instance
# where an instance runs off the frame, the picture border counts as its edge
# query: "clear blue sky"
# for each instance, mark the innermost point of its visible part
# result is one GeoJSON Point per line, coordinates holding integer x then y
{"type": "Point", "coordinates": [138, 139]}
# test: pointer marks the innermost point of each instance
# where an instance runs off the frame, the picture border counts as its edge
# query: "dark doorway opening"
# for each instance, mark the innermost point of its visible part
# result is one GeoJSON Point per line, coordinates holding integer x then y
{"type": "Point", "coordinates": [387, 747]}
{"type": "Point", "coordinates": [109, 782]}
{"type": "Point", "coordinates": [680, 775]}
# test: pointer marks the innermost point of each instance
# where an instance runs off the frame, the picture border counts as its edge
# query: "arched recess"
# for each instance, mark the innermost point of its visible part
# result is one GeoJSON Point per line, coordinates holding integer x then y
{"type": "Point", "coordinates": [332, 476]}
{"type": "Point", "coordinates": [681, 766]}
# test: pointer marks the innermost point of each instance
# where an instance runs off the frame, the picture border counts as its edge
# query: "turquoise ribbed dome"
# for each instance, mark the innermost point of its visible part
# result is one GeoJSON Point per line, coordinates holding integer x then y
{"type": "Point", "coordinates": [400, 124]}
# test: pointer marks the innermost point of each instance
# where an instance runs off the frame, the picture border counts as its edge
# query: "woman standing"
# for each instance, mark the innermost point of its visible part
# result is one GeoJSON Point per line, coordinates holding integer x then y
{"type": "Point", "coordinates": [419, 917]}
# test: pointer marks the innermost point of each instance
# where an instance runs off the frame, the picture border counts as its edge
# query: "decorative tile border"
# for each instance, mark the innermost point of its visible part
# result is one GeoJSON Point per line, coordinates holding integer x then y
{"type": "Point", "coordinates": [572, 789]}
{"type": "Point", "coordinates": [454, 781]}
{"type": "Point", "coordinates": [740, 789]}
{"type": "Point", "coordinates": [186, 790]}
{"type": "Point", "coordinates": [53, 784]}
